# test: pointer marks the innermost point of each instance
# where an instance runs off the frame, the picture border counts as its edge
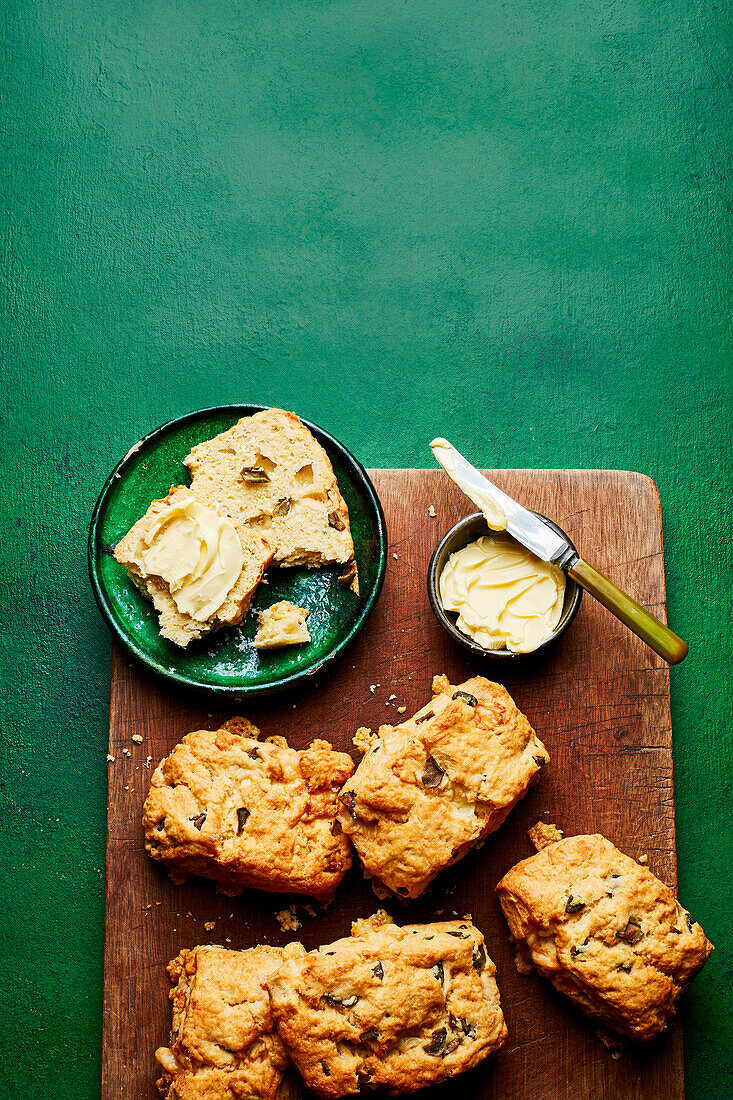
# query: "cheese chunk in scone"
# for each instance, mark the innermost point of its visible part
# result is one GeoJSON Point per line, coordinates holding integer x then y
{"type": "Point", "coordinates": [249, 813]}
{"type": "Point", "coordinates": [270, 473]}
{"type": "Point", "coordinates": [223, 1041]}
{"type": "Point", "coordinates": [605, 931]}
{"type": "Point", "coordinates": [430, 789]}
{"type": "Point", "coordinates": [388, 1008]}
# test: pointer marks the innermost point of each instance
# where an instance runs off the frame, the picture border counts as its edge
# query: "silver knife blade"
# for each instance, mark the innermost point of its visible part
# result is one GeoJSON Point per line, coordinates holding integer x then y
{"type": "Point", "coordinates": [540, 539]}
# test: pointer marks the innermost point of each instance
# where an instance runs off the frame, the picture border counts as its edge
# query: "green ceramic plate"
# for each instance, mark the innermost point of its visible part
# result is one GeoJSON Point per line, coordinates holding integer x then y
{"type": "Point", "coordinates": [225, 663]}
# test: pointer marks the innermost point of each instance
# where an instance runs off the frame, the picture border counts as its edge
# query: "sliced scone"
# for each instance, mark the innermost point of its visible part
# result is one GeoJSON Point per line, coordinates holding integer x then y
{"type": "Point", "coordinates": [199, 566]}
{"type": "Point", "coordinates": [271, 475]}
{"type": "Point", "coordinates": [605, 931]}
{"type": "Point", "coordinates": [432, 788]}
{"type": "Point", "coordinates": [250, 813]}
{"type": "Point", "coordinates": [388, 1008]}
{"type": "Point", "coordinates": [223, 1041]}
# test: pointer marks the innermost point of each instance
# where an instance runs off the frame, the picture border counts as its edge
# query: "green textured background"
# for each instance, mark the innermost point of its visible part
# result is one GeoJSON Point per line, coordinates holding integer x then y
{"type": "Point", "coordinates": [505, 222]}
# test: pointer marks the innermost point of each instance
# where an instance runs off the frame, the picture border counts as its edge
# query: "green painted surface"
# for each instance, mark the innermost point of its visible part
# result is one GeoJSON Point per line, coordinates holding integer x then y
{"type": "Point", "coordinates": [507, 223]}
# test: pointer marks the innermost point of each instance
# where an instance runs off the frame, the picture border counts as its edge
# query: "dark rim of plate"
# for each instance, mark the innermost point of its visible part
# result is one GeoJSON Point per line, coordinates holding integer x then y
{"type": "Point", "coordinates": [438, 559]}
{"type": "Point", "coordinates": [127, 640]}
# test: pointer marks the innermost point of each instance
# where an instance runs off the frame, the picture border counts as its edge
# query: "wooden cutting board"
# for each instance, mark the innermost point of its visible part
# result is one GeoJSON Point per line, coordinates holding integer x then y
{"type": "Point", "coordinates": [599, 701]}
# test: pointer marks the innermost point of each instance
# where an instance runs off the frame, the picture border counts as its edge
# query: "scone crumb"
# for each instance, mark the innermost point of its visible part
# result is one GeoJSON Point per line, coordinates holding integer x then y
{"type": "Point", "coordinates": [110, 758]}
{"type": "Point", "coordinates": [395, 557]}
{"type": "Point", "coordinates": [401, 710]}
{"type": "Point", "coordinates": [440, 684]}
{"type": "Point", "coordinates": [542, 834]}
{"type": "Point", "coordinates": [431, 511]}
{"type": "Point", "coordinates": [362, 739]}
{"type": "Point", "coordinates": [281, 624]}
{"type": "Point", "coordinates": [288, 919]}
{"type": "Point", "coordinates": [209, 925]}
{"type": "Point", "coordinates": [643, 859]}
{"type": "Point", "coordinates": [137, 739]}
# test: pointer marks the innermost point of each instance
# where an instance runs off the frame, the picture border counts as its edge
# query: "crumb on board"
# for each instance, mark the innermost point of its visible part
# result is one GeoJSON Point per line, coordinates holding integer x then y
{"type": "Point", "coordinates": [542, 834]}
{"type": "Point", "coordinates": [110, 758]}
{"type": "Point", "coordinates": [209, 925]}
{"type": "Point", "coordinates": [431, 511]}
{"type": "Point", "coordinates": [401, 710]}
{"type": "Point", "coordinates": [137, 739]}
{"type": "Point", "coordinates": [288, 919]}
{"type": "Point", "coordinates": [395, 557]}
{"type": "Point", "coordinates": [643, 859]}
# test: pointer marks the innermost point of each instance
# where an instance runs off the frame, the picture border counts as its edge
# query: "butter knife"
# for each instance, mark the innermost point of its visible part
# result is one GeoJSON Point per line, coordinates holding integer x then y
{"type": "Point", "coordinates": [504, 513]}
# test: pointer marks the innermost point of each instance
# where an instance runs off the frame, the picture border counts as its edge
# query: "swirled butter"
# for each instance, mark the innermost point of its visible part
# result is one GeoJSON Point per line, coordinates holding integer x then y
{"type": "Point", "coordinates": [196, 552]}
{"type": "Point", "coordinates": [481, 497]}
{"type": "Point", "coordinates": [505, 597]}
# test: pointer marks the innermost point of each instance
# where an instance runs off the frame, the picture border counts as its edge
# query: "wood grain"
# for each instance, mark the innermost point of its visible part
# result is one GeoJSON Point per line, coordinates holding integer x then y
{"type": "Point", "coordinates": [599, 701]}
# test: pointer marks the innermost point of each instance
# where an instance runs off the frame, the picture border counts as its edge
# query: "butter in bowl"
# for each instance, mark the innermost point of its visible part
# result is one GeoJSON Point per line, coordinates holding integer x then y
{"type": "Point", "coordinates": [493, 596]}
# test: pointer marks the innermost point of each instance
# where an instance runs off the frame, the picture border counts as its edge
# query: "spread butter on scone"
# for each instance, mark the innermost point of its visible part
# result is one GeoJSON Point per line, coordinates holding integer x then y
{"type": "Point", "coordinates": [247, 812]}
{"type": "Point", "coordinates": [388, 1008]}
{"type": "Point", "coordinates": [198, 566]}
{"type": "Point", "coordinates": [605, 931]}
{"type": "Point", "coordinates": [430, 789]}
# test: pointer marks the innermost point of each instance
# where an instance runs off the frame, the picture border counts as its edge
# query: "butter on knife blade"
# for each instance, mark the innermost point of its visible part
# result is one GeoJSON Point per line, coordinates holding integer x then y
{"type": "Point", "coordinates": [482, 498]}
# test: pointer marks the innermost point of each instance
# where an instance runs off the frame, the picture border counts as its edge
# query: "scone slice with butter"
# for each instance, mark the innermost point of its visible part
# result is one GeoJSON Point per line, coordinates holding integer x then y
{"type": "Point", "coordinates": [429, 790]}
{"type": "Point", "coordinates": [198, 565]}
{"type": "Point", "coordinates": [272, 475]}
{"type": "Point", "coordinates": [606, 932]}
{"type": "Point", "coordinates": [249, 813]}
{"type": "Point", "coordinates": [388, 1008]}
{"type": "Point", "coordinates": [223, 1041]}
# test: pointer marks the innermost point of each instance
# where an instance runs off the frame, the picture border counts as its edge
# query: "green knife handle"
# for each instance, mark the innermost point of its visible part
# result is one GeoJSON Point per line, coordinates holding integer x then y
{"type": "Point", "coordinates": [642, 623]}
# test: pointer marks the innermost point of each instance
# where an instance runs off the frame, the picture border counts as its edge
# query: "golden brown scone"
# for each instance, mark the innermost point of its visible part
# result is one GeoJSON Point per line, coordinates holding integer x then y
{"type": "Point", "coordinates": [605, 931]}
{"type": "Point", "coordinates": [281, 624]}
{"type": "Point", "coordinates": [223, 1041]}
{"type": "Point", "coordinates": [388, 1008]}
{"type": "Point", "coordinates": [430, 789]}
{"type": "Point", "coordinates": [180, 627]}
{"type": "Point", "coordinates": [269, 473]}
{"type": "Point", "coordinates": [246, 812]}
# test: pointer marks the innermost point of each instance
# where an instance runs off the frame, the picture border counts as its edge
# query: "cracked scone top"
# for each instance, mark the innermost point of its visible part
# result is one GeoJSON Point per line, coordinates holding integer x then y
{"type": "Point", "coordinates": [269, 473]}
{"type": "Point", "coordinates": [605, 931]}
{"type": "Point", "coordinates": [249, 813]}
{"type": "Point", "coordinates": [223, 1041]}
{"type": "Point", "coordinates": [428, 790]}
{"type": "Point", "coordinates": [388, 1008]}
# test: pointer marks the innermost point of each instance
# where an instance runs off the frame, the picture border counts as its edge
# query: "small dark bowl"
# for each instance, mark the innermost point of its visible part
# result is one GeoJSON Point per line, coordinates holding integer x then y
{"type": "Point", "coordinates": [468, 530]}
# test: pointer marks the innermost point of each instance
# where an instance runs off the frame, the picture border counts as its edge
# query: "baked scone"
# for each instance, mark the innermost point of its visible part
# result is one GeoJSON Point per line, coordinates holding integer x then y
{"type": "Point", "coordinates": [270, 473]}
{"type": "Point", "coordinates": [605, 931]}
{"type": "Point", "coordinates": [430, 789]}
{"type": "Point", "coordinates": [246, 812]}
{"type": "Point", "coordinates": [281, 624]}
{"type": "Point", "coordinates": [388, 1008]}
{"type": "Point", "coordinates": [223, 1042]}
{"type": "Point", "coordinates": [181, 626]}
